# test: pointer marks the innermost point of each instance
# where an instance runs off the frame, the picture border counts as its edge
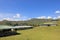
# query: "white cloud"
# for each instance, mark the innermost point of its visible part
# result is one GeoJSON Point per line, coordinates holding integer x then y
{"type": "Point", "coordinates": [38, 17]}
{"type": "Point", "coordinates": [29, 18]}
{"type": "Point", "coordinates": [17, 16]}
{"type": "Point", "coordinates": [54, 17]}
{"type": "Point", "coordinates": [9, 19]}
{"type": "Point", "coordinates": [49, 17]}
{"type": "Point", "coordinates": [57, 11]}
{"type": "Point", "coordinates": [42, 17]}
{"type": "Point", "coordinates": [58, 17]}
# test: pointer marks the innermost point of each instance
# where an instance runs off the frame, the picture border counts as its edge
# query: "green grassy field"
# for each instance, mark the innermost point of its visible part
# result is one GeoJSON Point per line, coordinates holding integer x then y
{"type": "Point", "coordinates": [37, 33]}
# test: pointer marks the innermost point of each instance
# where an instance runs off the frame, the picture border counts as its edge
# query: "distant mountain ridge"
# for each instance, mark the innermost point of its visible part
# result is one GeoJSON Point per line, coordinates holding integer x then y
{"type": "Point", "coordinates": [33, 21]}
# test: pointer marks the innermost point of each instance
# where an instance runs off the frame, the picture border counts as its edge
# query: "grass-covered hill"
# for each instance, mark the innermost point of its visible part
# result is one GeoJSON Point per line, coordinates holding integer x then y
{"type": "Point", "coordinates": [33, 21]}
{"type": "Point", "coordinates": [37, 33]}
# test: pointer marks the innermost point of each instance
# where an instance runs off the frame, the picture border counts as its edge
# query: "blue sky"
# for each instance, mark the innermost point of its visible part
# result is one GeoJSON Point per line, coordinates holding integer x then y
{"type": "Point", "coordinates": [28, 8]}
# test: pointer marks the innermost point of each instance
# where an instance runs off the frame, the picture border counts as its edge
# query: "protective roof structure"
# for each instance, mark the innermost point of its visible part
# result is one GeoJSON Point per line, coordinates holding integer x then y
{"type": "Point", "coordinates": [2, 27]}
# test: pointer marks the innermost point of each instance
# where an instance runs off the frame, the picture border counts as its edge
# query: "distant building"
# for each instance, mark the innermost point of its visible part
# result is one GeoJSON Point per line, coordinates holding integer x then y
{"type": "Point", "coordinates": [49, 24]}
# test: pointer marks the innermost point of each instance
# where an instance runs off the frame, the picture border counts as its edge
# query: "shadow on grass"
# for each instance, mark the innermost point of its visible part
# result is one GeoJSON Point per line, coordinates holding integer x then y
{"type": "Point", "coordinates": [9, 33]}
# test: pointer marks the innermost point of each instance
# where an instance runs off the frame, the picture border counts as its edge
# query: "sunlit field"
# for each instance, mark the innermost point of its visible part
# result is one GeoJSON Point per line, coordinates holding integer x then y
{"type": "Point", "coordinates": [37, 33]}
